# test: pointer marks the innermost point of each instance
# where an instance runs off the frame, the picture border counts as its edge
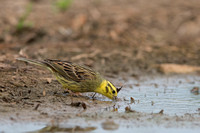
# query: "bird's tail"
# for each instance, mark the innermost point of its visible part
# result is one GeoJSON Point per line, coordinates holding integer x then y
{"type": "Point", "coordinates": [52, 67]}
{"type": "Point", "coordinates": [36, 62]}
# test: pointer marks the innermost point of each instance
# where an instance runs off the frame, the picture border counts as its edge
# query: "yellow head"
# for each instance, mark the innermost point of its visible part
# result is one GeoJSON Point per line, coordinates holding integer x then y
{"type": "Point", "coordinates": [107, 89]}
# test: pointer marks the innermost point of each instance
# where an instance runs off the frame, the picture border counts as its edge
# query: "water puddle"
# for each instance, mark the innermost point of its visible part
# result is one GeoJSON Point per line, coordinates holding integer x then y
{"type": "Point", "coordinates": [20, 127]}
{"type": "Point", "coordinates": [41, 128]}
{"type": "Point", "coordinates": [150, 130]}
{"type": "Point", "coordinates": [171, 94]}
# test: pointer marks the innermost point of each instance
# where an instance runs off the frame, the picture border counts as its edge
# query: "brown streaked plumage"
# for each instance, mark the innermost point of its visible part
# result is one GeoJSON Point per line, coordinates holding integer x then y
{"type": "Point", "coordinates": [77, 78]}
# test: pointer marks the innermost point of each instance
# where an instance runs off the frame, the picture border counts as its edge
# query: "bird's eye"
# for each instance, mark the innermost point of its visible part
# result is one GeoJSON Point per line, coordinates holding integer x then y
{"type": "Point", "coordinates": [113, 92]}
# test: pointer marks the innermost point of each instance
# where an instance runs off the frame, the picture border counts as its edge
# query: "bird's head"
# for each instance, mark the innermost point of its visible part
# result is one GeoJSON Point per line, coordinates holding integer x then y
{"type": "Point", "coordinates": [107, 89]}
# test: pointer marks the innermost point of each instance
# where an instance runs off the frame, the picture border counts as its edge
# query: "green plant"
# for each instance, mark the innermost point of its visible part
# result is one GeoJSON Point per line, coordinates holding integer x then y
{"type": "Point", "coordinates": [22, 24]}
{"type": "Point", "coordinates": [63, 5]}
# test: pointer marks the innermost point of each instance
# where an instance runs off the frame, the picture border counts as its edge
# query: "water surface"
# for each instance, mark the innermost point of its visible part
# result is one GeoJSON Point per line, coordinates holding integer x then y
{"type": "Point", "coordinates": [172, 94]}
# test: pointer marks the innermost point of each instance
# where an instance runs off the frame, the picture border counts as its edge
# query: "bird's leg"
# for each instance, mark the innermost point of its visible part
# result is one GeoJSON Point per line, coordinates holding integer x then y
{"type": "Point", "coordinates": [70, 92]}
{"type": "Point", "coordinates": [94, 95]}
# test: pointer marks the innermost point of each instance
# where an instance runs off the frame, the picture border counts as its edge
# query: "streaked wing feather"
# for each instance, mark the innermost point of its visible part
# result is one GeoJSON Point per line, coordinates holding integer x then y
{"type": "Point", "coordinates": [72, 71]}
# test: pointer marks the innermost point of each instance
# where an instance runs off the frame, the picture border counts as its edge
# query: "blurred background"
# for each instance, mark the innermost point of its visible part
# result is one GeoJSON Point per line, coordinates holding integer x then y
{"type": "Point", "coordinates": [133, 43]}
{"type": "Point", "coordinates": [115, 36]}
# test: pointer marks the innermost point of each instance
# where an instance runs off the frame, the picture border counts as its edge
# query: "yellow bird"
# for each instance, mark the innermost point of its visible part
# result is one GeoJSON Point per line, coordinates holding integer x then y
{"type": "Point", "coordinates": [77, 78]}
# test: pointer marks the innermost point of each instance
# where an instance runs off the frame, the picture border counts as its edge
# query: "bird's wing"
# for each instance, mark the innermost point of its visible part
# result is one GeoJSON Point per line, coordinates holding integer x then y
{"type": "Point", "coordinates": [71, 71]}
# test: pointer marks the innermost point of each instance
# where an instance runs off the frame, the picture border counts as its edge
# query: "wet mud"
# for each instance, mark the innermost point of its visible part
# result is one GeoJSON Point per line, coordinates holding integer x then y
{"type": "Point", "coordinates": [152, 49]}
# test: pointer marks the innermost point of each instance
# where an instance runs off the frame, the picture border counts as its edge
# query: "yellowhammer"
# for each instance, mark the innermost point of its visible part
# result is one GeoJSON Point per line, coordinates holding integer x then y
{"type": "Point", "coordinates": [77, 78]}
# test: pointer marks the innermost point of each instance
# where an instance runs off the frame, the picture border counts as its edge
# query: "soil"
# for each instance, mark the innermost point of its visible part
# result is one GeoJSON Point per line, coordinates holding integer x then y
{"type": "Point", "coordinates": [121, 39]}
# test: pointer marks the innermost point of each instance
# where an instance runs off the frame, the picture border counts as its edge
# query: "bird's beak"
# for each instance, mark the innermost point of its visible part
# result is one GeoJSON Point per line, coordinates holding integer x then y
{"type": "Point", "coordinates": [118, 89]}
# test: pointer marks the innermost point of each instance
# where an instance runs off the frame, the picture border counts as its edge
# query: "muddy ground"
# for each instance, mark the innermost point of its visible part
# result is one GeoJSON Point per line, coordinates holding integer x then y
{"type": "Point", "coordinates": [122, 39]}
